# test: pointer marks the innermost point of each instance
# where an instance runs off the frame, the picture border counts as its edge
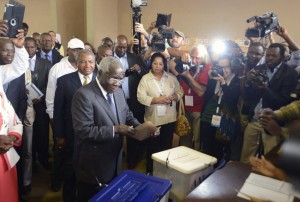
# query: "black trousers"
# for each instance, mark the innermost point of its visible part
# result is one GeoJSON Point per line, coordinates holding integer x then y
{"type": "Point", "coordinates": [40, 145]}
{"type": "Point", "coordinates": [86, 191]}
{"type": "Point", "coordinates": [69, 178]}
{"type": "Point", "coordinates": [135, 148]}
{"type": "Point", "coordinates": [159, 143]}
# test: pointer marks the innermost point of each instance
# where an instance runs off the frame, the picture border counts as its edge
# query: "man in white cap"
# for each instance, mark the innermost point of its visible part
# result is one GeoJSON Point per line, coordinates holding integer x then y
{"type": "Point", "coordinates": [65, 66]}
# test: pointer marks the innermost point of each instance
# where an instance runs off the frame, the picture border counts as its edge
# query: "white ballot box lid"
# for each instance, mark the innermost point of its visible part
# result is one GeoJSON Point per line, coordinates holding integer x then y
{"type": "Point", "coordinates": [184, 159]}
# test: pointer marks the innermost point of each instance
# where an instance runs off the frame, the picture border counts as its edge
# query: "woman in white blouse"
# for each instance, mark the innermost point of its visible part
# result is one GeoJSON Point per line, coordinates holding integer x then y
{"type": "Point", "coordinates": [159, 91]}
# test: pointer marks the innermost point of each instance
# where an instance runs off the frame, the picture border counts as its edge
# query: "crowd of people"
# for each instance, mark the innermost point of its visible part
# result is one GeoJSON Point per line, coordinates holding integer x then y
{"type": "Point", "coordinates": [94, 98]}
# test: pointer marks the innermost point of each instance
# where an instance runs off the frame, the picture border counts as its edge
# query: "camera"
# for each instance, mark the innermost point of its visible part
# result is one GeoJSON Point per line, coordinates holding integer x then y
{"type": "Point", "coordinates": [216, 70]}
{"type": "Point", "coordinates": [158, 42]}
{"type": "Point", "coordinates": [265, 24]}
{"type": "Point", "coordinates": [129, 72]}
{"type": "Point", "coordinates": [182, 66]}
{"type": "Point", "coordinates": [261, 77]}
{"type": "Point", "coordinates": [14, 14]}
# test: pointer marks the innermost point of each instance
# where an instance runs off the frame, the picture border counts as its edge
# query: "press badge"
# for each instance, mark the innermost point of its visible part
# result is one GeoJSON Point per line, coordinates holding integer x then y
{"type": "Point", "coordinates": [216, 120]}
{"type": "Point", "coordinates": [188, 100]}
{"type": "Point", "coordinates": [161, 110]}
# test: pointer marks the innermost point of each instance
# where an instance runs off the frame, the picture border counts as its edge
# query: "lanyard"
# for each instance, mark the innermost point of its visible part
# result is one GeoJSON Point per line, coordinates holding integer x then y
{"type": "Point", "coordinates": [199, 70]}
{"type": "Point", "coordinates": [161, 86]}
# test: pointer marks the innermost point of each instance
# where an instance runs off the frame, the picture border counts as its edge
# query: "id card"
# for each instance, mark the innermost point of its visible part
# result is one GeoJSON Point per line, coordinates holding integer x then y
{"type": "Point", "coordinates": [216, 120]}
{"type": "Point", "coordinates": [161, 110]}
{"type": "Point", "coordinates": [188, 100]}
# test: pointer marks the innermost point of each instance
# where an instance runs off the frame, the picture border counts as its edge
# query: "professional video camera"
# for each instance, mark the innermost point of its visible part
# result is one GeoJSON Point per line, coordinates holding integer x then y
{"type": "Point", "coordinates": [265, 24]}
{"type": "Point", "coordinates": [164, 32]}
{"type": "Point", "coordinates": [158, 42]}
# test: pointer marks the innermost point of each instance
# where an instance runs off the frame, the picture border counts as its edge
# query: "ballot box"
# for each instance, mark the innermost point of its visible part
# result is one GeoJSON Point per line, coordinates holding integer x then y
{"type": "Point", "coordinates": [185, 167]}
{"type": "Point", "coordinates": [131, 186]}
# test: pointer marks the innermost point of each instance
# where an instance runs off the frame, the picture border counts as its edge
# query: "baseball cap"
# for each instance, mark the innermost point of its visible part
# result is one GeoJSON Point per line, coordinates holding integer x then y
{"type": "Point", "coordinates": [180, 34]}
{"type": "Point", "coordinates": [75, 43]}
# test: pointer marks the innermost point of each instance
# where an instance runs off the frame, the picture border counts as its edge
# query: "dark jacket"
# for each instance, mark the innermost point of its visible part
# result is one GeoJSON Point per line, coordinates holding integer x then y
{"type": "Point", "coordinates": [277, 93]}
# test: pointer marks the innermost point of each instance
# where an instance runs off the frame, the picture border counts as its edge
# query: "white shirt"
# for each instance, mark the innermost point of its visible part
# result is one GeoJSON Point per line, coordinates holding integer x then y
{"type": "Point", "coordinates": [104, 92]}
{"type": "Point", "coordinates": [32, 63]}
{"type": "Point", "coordinates": [59, 69]}
{"type": "Point", "coordinates": [16, 68]}
{"type": "Point", "coordinates": [81, 76]}
{"type": "Point", "coordinates": [125, 85]}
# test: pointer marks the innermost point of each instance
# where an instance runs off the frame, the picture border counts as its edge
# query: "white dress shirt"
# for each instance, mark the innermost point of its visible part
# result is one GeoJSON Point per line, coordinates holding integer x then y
{"type": "Point", "coordinates": [81, 76]}
{"type": "Point", "coordinates": [59, 69]}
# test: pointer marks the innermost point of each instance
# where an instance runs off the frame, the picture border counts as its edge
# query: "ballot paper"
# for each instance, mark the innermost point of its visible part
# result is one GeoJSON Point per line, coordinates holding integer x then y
{"type": "Point", "coordinates": [144, 131]}
{"type": "Point", "coordinates": [266, 188]}
{"type": "Point", "coordinates": [34, 92]}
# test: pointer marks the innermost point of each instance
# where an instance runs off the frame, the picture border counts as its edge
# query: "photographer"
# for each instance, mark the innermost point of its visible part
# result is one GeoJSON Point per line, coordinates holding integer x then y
{"type": "Point", "coordinates": [267, 86]}
{"type": "Point", "coordinates": [176, 48]}
{"type": "Point", "coordinates": [193, 80]}
{"type": "Point", "coordinates": [292, 50]}
{"type": "Point", "coordinates": [219, 127]}
{"type": "Point", "coordinates": [134, 71]}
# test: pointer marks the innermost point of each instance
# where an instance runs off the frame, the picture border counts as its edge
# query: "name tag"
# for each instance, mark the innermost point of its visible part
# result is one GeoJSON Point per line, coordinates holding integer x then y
{"type": "Point", "coordinates": [216, 120]}
{"type": "Point", "coordinates": [161, 110]}
{"type": "Point", "coordinates": [188, 100]}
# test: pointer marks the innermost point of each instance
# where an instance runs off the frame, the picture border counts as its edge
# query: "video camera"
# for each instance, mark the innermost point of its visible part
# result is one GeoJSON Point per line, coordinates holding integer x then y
{"type": "Point", "coordinates": [265, 24]}
{"type": "Point", "coordinates": [158, 42]}
{"type": "Point", "coordinates": [164, 32]}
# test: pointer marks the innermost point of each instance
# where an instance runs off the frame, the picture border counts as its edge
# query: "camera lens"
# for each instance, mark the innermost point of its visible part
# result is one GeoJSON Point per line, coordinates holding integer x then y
{"type": "Point", "coordinates": [13, 22]}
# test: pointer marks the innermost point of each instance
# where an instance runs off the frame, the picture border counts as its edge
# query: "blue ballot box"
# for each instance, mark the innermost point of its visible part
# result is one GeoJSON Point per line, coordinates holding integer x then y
{"type": "Point", "coordinates": [131, 186]}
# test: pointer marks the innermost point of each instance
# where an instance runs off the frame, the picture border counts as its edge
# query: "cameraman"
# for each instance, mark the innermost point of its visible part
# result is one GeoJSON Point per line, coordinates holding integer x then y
{"type": "Point", "coordinates": [176, 48]}
{"type": "Point", "coordinates": [273, 94]}
{"type": "Point", "coordinates": [193, 81]}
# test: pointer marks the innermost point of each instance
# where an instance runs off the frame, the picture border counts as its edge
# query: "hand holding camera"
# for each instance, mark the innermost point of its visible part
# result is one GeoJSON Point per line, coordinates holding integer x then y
{"type": "Point", "coordinates": [3, 28]}
{"type": "Point", "coordinates": [19, 41]}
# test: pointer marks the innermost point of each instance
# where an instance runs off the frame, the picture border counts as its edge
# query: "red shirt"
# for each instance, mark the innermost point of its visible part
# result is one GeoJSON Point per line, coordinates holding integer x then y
{"type": "Point", "coordinates": [201, 78]}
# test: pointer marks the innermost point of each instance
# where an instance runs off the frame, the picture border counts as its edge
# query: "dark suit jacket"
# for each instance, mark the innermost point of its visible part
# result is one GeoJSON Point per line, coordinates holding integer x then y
{"type": "Point", "coordinates": [67, 86]}
{"type": "Point", "coordinates": [133, 81]}
{"type": "Point", "coordinates": [56, 57]}
{"type": "Point", "coordinates": [96, 149]}
{"type": "Point", "coordinates": [278, 92]}
{"type": "Point", "coordinates": [16, 94]}
{"type": "Point", "coordinates": [40, 79]}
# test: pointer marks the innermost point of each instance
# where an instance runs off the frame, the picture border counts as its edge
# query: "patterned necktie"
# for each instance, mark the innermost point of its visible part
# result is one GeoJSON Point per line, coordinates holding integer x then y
{"type": "Point", "coordinates": [111, 104]}
{"type": "Point", "coordinates": [86, 80]}
{"type": "Point", "coordinates": [47, 57]}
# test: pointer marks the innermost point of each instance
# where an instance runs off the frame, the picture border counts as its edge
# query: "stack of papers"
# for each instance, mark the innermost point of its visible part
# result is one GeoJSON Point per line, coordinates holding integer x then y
{"type": "Point", "coordinates": [266, 188]}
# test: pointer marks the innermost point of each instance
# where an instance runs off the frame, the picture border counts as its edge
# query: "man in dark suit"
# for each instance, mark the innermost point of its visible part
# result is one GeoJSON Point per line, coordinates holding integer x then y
{"type": "Point", "coordinates": [36, 122]}
{"type": "Point", "coordinates": [101, 118]}
{"type": "Point", "coordinates": [134, 71]}
{"type": "Point", "coordinates": [273, 94]}
{"type": "Point", "coordinates": [46, 51]}
{"type": "Point", "coordinates": [16, 94]}
{"type": "Point", "coordinates": [63, 131]}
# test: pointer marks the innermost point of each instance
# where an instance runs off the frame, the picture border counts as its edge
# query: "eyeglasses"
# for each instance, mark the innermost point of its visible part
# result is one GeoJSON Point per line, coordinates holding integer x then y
{"type": "Point", "coordinates": [112, 80]}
